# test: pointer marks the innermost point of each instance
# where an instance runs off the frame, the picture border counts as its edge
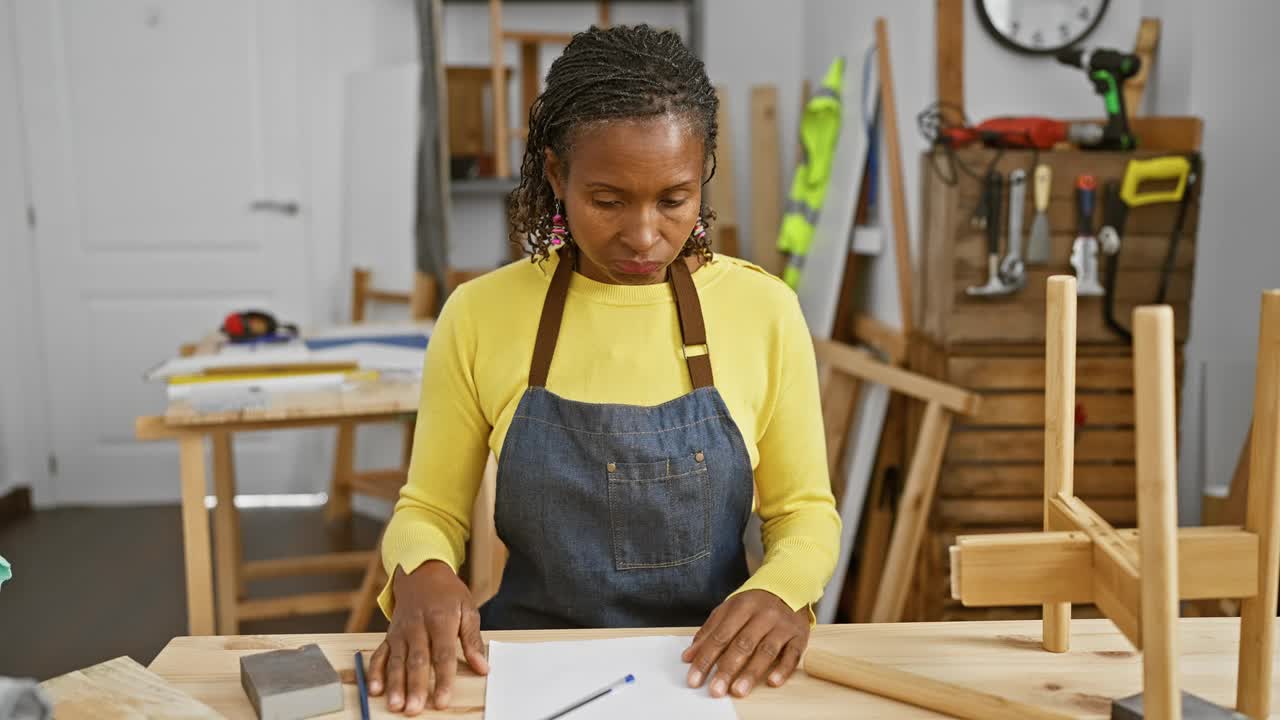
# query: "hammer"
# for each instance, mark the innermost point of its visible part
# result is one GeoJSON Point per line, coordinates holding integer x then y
{"type": "Point", "coordinates": [993, 188]}
{"type": "Point", "coordinates": [965, 702]}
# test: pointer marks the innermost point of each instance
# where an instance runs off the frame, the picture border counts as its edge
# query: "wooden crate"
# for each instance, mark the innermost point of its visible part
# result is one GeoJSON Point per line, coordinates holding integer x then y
{"type": "Point", "coordinates": [955, 253]}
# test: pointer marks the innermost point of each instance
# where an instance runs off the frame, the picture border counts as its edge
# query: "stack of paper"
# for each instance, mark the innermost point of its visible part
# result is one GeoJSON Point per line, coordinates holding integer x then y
{"type": "Point", "coordinates": [534, 680]}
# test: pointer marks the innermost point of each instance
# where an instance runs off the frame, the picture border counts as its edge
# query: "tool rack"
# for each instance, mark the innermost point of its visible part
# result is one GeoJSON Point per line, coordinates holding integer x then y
{"type": "Point", "coordinates": [991, 480]}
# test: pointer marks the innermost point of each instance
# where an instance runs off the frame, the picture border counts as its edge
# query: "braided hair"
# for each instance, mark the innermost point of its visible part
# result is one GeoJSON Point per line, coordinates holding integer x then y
{"type": "Point", "coordinates": [604, 74]}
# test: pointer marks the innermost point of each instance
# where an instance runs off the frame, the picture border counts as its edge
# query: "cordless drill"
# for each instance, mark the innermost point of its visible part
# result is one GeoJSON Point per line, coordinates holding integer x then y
{"type": "Point", "coordinates": [1108, 69]}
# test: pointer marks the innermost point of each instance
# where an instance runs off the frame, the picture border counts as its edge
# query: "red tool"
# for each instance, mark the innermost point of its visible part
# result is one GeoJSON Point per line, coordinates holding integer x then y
{"type": "Point", "coordinates": [1022, 133]}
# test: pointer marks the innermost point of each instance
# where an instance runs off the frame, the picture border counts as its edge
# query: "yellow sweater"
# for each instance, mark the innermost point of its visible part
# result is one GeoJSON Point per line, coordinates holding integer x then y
{"type": "Point", "coordinates": [621, 344]}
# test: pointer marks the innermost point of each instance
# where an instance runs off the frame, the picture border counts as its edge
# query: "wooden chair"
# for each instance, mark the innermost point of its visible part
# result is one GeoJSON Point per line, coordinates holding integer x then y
{"type": "Point", "coordinates": [530, 43]}
{"type": "Point", "coordinates": [385, 484]}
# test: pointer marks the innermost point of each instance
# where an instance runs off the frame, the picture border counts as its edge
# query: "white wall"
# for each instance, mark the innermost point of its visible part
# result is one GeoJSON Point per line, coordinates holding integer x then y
{"type": "Point", "coordinates": [756, 42]}
{"type": "Point", "coordinates": [22, 445]}
{"type": "Point", "coordinates": [1238, 254]}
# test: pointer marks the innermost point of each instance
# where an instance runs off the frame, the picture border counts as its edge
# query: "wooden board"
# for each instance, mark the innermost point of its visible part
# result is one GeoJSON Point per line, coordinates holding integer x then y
{"type": "Point", "coordinates": [1026, 480]}
{"type": "Point", "coordinates": [949, 38]}
{"type": "Point", "coordinates": [983, 445]}
{"type": "Point", "coordinates": [766, 178]}
{"type": "Point", "coordinates": [122, 688]}
{"type": "Point", "coordinates": [722, 196]}
{"type": "Point", "coordinates": [998, 657]}
{"type": "Point", "coordinates": [1014, 409]}
{"type": "Point", "coordinates": [976, 512]}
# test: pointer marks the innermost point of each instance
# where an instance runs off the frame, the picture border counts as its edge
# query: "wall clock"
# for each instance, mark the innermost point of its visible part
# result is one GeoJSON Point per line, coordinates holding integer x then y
{"type": "Point", "coordinates": [1040, 27]}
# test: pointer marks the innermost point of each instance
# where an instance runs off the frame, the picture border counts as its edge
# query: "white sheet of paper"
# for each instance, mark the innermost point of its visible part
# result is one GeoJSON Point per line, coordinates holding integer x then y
{"type": "Point", "coordinates": [528, 681]}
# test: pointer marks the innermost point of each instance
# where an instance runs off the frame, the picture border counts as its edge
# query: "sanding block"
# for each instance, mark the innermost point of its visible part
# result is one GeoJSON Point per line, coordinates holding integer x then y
{"type": "Point", "coordinates": [291, 684]}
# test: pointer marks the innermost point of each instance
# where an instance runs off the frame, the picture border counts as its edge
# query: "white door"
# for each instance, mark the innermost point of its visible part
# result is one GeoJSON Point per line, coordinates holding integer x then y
{"type": "Point", "coordinates": [163, 142]}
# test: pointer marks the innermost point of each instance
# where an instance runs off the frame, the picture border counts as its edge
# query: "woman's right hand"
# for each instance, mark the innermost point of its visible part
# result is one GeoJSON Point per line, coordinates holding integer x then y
{"type": "Point", "coordinates": [433, 609]}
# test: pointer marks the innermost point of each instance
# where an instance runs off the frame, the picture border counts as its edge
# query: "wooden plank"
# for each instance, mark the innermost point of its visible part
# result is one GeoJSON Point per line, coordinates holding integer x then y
{"type": "Point", "coordinates": [291, 605]}
{"type": "Point", "coordinates": [1262, 516]}
{"type": "Point", "coordinates": [523, 37]}
{"type": "Point", "coordinates": [897, 189]}
{"type": "Point", "coordinates": [913, 512]}
{"type": "Point", "coordinates": [1157, 508]}
{"type": "Point", "coordinates": [487, 556]}
{"type": "Point", "coordinates": [839, 401]}
{"type": "Point", "coordinates": [501, 146]}
{"type": "Point", "coordinates": [1144, 47]}
{"type": "Point", "coordinates": [979, 512]}
{"type": "Point", "coordinates": [1037, 567]}
{"type": "Point", "coordinates": [1026, 480]}
{"type": "Point", "coordinates": [766, 178]}
{"type": "Point", "coordinates": [860, 364]}
{"type": "Point", "coordinates": [226, 534]}
{"type": "Point", "coordinates": [1168, 133]}
{"type": "Point", "coordinates": [1023, 323]}
{"type": "Point", "coordinates": [195, 536]}
{"type": "Point", "coordinates": [947, 698]}
{"type": "Point", "coordinates": [883, 338]}
{"type": "Point", "coordinates": [1019, 373]}
{"type": "Point", "coordinates": [1012, 409]}
{"type": "Point", "coordinates": [1028, 445]}
{"type": "Point", "coordinates": [529, 80]}
{"type": "Point", "coordinates": [121, 688]}
{"type": "Point", "coordinates": [329, 563]}
{"type": "Point", "coordinates": [720, 191]}
{"type": "Point", "coordinates": [877, 523]}
{"type": "Point", "coordinates": [948, 28]}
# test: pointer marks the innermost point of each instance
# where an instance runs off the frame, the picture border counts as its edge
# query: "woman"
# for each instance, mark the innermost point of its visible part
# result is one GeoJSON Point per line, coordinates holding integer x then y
{"type": "Point", "coordinates": [632, 387]}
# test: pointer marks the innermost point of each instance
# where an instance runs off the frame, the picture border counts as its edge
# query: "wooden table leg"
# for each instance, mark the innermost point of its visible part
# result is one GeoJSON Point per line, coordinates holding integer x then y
{"type": "Point", "coordinates": [226, 535]}
{"type": "Point", "coordinates": [195, 535]}
{"type": "Point", "coordinates": [1262, 516]}
{"type": "Point", "coordinates": [344, 463]}
{"type": "Point", "coordinates": [1157, 509]}
{"type": "Point", "coordinates": [1059, 431]}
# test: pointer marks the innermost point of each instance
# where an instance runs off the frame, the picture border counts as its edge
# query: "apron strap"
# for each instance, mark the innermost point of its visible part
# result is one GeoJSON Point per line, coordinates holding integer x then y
{"type": "Point", "coordinates": [544, 346]}
{"type": "Point", "coordinates": [693, 330]}
{"type": "Point", "coordinates": [692, 327]}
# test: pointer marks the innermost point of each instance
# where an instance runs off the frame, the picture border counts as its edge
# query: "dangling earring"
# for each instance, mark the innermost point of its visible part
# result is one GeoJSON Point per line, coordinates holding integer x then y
{"type": "Point", "coordinates": [558, 230]}
{"type": "Point", "coordinates": [699, 230]}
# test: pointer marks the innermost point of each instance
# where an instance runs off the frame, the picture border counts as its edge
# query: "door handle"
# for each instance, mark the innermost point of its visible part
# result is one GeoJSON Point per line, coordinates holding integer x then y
{"type": "Point", "coordinates": [285, 207]}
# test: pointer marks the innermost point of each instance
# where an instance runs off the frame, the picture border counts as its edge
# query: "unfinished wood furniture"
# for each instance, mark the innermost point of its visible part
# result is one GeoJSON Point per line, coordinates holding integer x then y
{"type": "Point", "coordinates": [1137, 578]}
{"type": "Point", "coordinates": [530, 43]}
{"type": "Point", "coordinates": [1000, 658]}
{"type": "Point", "coordinates": [942, 401]}
{"type": "Point", "coordinates": [995, 346]}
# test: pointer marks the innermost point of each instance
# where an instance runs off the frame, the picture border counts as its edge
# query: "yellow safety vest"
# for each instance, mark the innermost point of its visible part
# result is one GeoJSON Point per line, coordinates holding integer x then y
{"type": "Point", "coordinates": [819, 130]}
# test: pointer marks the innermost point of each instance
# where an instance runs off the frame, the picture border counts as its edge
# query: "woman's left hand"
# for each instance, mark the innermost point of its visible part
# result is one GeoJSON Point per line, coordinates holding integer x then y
{"type": "Point", "coordinates": [749, 635]}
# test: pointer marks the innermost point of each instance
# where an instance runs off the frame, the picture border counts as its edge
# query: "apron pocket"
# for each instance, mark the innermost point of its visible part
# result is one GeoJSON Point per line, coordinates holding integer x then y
{"type": "Point", "coordinates": [660, 513]}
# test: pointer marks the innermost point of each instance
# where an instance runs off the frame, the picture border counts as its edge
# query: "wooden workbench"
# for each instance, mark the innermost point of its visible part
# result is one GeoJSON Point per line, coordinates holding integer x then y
{"type": "Point", "coordinates": [997, 657]}
{"type": "Point", "coordinates": [375, 401]}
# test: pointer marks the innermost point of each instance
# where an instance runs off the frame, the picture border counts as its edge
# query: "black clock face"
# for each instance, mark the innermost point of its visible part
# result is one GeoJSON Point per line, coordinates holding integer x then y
{"type": "Point", "coordinates": [1040, 26]}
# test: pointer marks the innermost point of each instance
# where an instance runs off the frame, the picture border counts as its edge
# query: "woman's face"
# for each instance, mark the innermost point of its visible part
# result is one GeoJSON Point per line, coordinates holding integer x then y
{"type": "Point", "coordinates": [631, 196]}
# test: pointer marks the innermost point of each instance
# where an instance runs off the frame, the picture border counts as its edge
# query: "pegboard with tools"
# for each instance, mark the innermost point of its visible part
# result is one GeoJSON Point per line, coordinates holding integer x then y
{"type": "Point", "coordinates": [967, 295]}
{"type": "Point", "coordinates": [981, 326]}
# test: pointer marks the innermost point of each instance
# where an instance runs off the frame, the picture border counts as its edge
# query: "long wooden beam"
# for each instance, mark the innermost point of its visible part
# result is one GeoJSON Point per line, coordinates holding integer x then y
{"type": "Point", "coordinates": [1058, 567]}
{"type": "Point", "coordinates": [861, 364]}
{"type": "Point", "coordinates": [1262, 516]}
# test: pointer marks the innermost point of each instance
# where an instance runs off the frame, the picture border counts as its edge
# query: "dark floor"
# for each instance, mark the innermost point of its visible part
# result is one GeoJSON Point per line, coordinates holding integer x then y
{"type": "Point", "coordinates": [90, 584]}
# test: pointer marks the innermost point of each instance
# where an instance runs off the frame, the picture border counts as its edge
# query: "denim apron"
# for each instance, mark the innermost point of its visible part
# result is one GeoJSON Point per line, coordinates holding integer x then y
{"type": "Point", "coordinates": [619, 515]}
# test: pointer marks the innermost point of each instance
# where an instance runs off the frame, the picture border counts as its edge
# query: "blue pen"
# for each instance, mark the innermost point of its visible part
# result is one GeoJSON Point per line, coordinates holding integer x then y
{"type": "Point", "coordinates": [593, 696]}
{"type": "Point", "coordinates": [364, 689]}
